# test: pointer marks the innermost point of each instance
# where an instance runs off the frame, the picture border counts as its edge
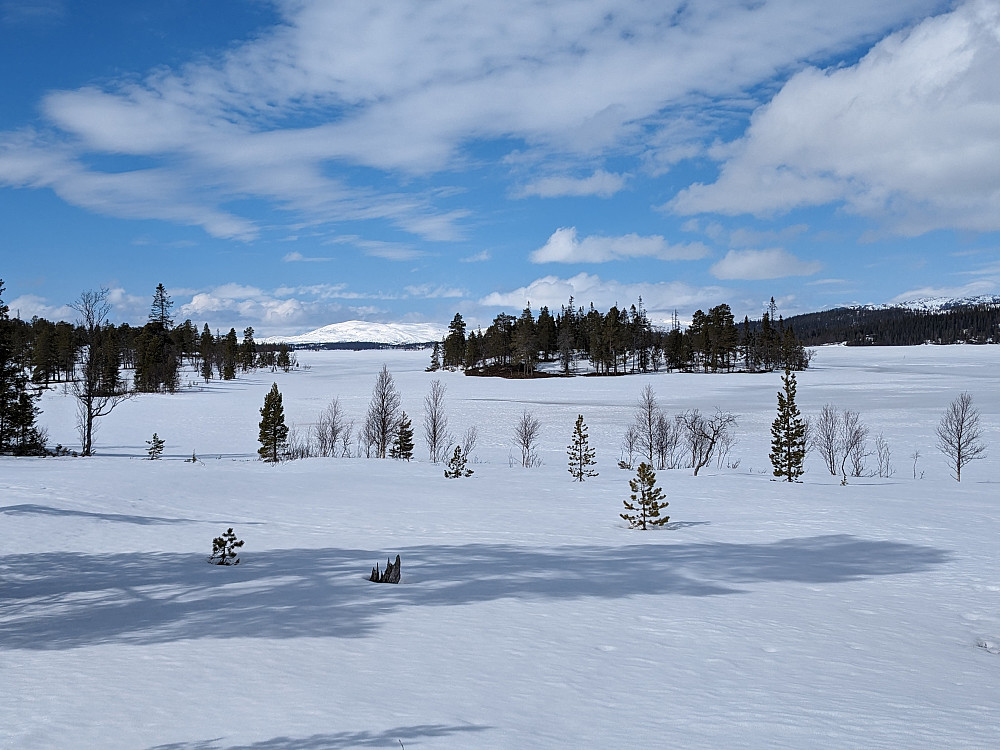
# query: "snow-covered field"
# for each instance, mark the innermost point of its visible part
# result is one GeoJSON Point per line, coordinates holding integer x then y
{"type": "Point", "coordinates": [766, 615]}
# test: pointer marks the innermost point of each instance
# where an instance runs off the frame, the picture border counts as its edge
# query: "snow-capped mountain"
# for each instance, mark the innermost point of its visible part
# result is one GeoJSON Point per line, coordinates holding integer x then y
{"type": "Point", "coordinates": [360, 331]}
{"type": "Point", "coordinates": [937, 304]}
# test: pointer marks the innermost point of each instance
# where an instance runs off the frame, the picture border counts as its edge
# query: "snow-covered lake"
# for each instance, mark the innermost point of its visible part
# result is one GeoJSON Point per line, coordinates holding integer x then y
{"type": "Point", "coordinates": [529, 616]}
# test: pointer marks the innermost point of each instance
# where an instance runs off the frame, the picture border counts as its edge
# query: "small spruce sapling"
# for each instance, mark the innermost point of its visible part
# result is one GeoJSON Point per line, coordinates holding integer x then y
{"type": "Point", "coordinates": [155, 449]}
{"type": "Point", "coordinates": [647, 500]}
{"type": "Point", "coordinates": [456, 466]}
{"type": "Point", "coordinates": [581, 455]}
{"type": "Point", "coordinates": [224, 549]}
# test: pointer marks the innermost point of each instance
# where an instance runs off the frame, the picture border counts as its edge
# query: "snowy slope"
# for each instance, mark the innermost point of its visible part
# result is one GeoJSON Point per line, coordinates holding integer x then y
{"type": "Point", "coordinates": [766, 615]}
{"type": "Point", "coordinates": [938, 304]}
{"type": "Point", "coordinates": [355, 331]}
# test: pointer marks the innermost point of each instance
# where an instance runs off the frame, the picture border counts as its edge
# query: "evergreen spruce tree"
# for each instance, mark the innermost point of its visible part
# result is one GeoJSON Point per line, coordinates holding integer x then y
{"type": "Point", "coordinates": [18, 433]}
{"type": "Point", "coordinates": [230, 355]}
{"type": "Point", "coordinates": [435, 364]}
{"type": "Point", "coordinates": [402, 444]}
{"type": "Point", "coordinates": [284, 359]}
{"type": "Point", "coordinates": [456, 466]}
{"type": "Point", "coordinates": [788, 433]}
{"type": "Point", "coordinates": [581, 455]}
{"type": "Point", "coordinates": [248, 351]}
{"type": "Point", "coordinates": [273, 432]}
{"type": "Point", "coordinates": [647, 500]}
{"type": "Point", "coordinates": [206, 350]}
{"type": "Point", "coordinates": [155, 450]}
{"type": "Point", "coordinates": [160, 310]}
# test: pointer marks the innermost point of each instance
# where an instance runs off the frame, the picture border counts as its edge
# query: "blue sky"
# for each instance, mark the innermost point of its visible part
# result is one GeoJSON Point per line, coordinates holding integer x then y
{"type": "Point", "coordinates": [295, 163]}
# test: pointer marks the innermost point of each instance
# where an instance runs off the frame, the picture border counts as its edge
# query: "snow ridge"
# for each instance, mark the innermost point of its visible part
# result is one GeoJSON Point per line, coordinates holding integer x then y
{"type": "Point", "coordinates": [360, 331]}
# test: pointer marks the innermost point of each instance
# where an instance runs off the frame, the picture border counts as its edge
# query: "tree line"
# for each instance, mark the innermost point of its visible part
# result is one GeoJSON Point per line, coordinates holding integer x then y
{"type": "Point", "coordinates": [970, 324]}
{"type": "Point", "coordinates": [103, 364]}
{"type": "Point", "coordinates": [622, 340]}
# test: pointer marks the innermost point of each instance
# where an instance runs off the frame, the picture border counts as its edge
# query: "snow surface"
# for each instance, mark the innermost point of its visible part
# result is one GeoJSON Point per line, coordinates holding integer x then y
{"type": "Point", "coordinates": [766, 615]}
{"type": "Point", "coordinates": [355, 331]}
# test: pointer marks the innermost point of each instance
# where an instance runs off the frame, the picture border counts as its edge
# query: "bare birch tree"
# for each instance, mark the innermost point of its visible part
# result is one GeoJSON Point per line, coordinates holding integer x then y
{"type": "Point", "coordinates": [436, 423]}
{"type": "Point", "coordinates": [97, 385]}
{"type": "Point", "coordinates": [526, 433]}
{"type": "Point", "coordinates": [329, 429]}
{"type": "Point", "coordinates": [825, 436]}
{"type": "Point", "coordinates": [383, 414]}
{"type": "Point", "coordinates": [704, 434]}
{"type": "Point", "coordinates": [960, 436]}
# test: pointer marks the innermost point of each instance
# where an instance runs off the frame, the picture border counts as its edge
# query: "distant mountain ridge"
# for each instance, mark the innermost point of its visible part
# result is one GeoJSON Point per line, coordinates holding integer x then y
{"type": "Point", "coordinates": [938, 304]}
{"type": "Point", "coordinates": [927, 320]}
{"type": "Point", "coordinates": [365, 332]}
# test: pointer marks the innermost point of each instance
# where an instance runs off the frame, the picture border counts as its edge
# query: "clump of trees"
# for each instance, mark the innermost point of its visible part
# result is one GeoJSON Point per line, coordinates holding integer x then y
{"type": "Point", "coordinates": [623, 340]}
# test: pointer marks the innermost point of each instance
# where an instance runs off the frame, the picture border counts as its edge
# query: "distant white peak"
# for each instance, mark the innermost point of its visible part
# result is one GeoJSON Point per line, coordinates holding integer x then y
{"type": "Point", "coordinates": [360, 331]}
{"type": "Point", "coordinates": [937, 304]}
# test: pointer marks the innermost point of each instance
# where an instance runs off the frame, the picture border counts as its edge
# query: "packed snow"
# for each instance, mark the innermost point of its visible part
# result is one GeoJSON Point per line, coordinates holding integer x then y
{"type": "Point", "coordinates": [765, 615]}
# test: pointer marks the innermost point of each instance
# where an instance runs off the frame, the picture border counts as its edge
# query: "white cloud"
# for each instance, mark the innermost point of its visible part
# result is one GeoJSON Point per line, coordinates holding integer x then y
{"type": "Point", "coordinates": [481, 257]}
{"type": "Point", "coordinates": [28, 306]}
{"type": "Point", "coordinates": [755, 265]}
{"type": "Point", "coordinates": [430, 291]}
{"type": "Point", "coordinates": [553, 291]}
{"type": "Point", "coordinates": [283, 118]}
{"type": "Point", "coordinates": [297, 257]}
{"type": "Point", "coordinates": [907, 136]}
{"type": "Point", "coordinates": [602, 184]}
{"type": "Point", "coordinates": [564, 247]}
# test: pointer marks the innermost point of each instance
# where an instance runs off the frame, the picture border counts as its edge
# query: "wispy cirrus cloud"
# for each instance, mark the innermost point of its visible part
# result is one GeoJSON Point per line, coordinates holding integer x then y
{"type": "Point", "coordinates": [296, 116]}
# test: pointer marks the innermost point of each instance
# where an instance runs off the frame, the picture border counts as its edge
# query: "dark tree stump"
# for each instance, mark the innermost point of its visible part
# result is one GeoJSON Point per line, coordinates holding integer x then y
{"type": "Point", "coordinates": [390, 575]}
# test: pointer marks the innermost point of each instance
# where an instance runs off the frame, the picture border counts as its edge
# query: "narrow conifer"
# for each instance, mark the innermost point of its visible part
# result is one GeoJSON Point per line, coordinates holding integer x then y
{"type": "Point", "coordinates": [273, 432]}
{"type": "Point", "coordinates": [788, 433]}
{"type": "Point", "coordinates": [581, 455]}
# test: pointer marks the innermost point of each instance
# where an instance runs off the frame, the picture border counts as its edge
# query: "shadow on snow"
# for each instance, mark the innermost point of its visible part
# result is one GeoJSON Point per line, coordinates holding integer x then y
{"type": "Point", "coordinates": [61, 600]}
{"type": "Point", "coordinates": [336, 741]}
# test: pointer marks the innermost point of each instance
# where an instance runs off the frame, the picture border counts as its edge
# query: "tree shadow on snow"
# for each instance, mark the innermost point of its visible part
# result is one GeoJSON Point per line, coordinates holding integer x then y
{"type": "Point", "coordinates": [46, 510]}
{"type": "Point", "coordinates": [335, 741]}
{"type": "Point", "coordinates": [62, 600]}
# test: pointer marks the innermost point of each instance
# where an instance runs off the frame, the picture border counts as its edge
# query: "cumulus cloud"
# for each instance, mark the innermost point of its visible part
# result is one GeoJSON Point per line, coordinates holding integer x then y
{"type": "Point", "coordinates": [907, 136]}
{"type": "Point", "coordinates": [285, 118]}
{"type": "Point", "coordinates": [755, 265]}
{"type": "Point", "coordinates": [553, 291]}
{"type": "Point", "coordinates": [601, 184]}
{"type": "Point", "coordinates": [563, 246]}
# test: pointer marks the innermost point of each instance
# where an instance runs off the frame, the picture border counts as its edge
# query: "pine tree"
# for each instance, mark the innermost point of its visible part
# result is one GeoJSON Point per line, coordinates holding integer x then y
{"type": "Point", "coordinates": [18, 433]}
{"type": "Point", "coordinates": [273, 432]}
{"type": "Point", "coordinates": [435, 364]}
{"type": "Point", "coordinates": [788, 433]}
{"type": "Point", "coordinates": [230, 355]}
{"type": "Point", "coordinates": [402, 444]}
{"type": "Point", "coordinates": [581, 455]}
{"type": "Point", "coordinates": [206, 349]}
{"type": "Point", "coordinates": [456, 466]}
{"type": "Point", "coordinates": [224, 549]}
{"type": "Point", "coordinates": [155, 449]}
{"type": "Point", "coordinates": [647, 500]}
{"type": "Point", "coordinates": [160, 310]}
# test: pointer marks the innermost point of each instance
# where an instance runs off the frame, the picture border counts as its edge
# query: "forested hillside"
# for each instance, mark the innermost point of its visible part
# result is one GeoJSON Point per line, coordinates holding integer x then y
{"type": "Point", "coordinates": [898, 326]}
